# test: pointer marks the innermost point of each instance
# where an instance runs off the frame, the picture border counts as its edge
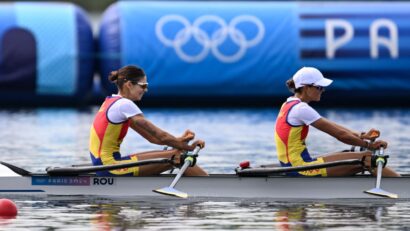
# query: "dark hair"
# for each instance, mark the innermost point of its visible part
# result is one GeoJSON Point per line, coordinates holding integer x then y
{"type": "Point", "coordinates": [130, 72]}
{"type": "Point", "coordinates": [291, 86]}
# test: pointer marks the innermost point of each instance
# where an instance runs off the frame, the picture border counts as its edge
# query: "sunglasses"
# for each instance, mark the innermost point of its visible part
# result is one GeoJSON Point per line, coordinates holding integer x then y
{"type": "Point", "coordinates": [144, 86]}
{"type": "Point", "coordinates": [319, 88]}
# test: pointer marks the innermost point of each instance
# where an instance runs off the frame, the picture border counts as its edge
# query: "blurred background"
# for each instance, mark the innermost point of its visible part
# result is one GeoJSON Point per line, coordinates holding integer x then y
{"type": "Point", "coordinates": [216, 67]}
{"type": "Point", "coordinates": [203, 53]}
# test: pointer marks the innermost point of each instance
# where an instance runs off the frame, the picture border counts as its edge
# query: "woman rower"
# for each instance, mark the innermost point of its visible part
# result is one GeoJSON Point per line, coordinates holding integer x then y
{"type": "Point", "coordinates": [292, 126]}
{"type": "Point", "coordinates": [117, 113]}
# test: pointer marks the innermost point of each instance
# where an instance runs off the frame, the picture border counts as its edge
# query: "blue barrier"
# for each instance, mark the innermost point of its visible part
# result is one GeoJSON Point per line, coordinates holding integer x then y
{"type": "Point", "coordinates": [188, 51]}
{"type": "Point", "coordinates": [362, 46]}
{"type": "Point", "coordinates": [224, 50]}
{"type": "Point", "coordinates": [237, 49]}
{"type": "Point", "coordinates": [46, 53]}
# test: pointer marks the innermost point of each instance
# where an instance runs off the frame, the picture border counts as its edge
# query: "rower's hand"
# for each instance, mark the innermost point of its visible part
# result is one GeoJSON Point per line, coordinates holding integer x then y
{"type": "Point", "coordinates": [187, 136]}
{"type": "Point", "coordinates": [378, 144]}
{"type": "Point", "coordinates": [199, 143]}
{"type": "Point", "coordinates": [372, 134]}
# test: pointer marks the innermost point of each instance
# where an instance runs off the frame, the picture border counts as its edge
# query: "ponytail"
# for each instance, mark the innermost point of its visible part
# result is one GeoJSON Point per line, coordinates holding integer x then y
{"type": "Point", "coordinates": [113, 77]}
{"type": "Point", "coordinates": [130, 72]}
{"type": "Point", "coordinates": [291, 85]}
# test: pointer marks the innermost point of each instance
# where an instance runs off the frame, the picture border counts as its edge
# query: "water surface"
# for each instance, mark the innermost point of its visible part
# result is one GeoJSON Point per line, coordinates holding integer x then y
{"type": "Point", "coordinates": [37, 138]}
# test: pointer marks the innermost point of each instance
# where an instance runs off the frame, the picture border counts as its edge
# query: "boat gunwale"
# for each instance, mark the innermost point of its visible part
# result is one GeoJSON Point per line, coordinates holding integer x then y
{"type": "Point", "coordinates": [220, 175]}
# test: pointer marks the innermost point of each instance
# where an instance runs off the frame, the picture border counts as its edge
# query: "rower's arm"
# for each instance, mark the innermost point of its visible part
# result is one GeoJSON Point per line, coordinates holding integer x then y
{"type": "Point", "coordinates": [346, 129]}
{"type": "Point", "coordinates": [339, 132]}
{"type": "Point", "coordinates": [136, 126]}
{"type": "Point", "coordinates": [372, 134]}
{"type": "Point", "coordinates": [156, 135]}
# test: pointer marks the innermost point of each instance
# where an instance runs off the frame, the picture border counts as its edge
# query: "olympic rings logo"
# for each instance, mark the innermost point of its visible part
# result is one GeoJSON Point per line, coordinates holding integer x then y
{"type": "Point", "coordinates": [209, 42]}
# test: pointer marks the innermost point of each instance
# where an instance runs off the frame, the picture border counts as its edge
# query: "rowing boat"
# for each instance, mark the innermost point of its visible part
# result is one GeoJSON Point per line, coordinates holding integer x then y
{"type": "Point", "coordinates": [260, 182]}
{"type": "Point", "coordinates": [213, 186]}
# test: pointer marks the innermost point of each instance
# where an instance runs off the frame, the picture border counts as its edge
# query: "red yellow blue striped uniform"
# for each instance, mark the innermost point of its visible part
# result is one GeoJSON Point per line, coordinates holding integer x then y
{"type": "Point", "coordinates": [290, 143]}
{"type": "Point", "coordinates": [105, 140]}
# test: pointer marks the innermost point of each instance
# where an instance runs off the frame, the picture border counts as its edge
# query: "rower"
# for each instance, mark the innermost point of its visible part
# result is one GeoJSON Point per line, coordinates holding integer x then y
{"type": "Point", "coordinates": [292, 128]}
{"type": "Point", "coordinates": [117, 114]}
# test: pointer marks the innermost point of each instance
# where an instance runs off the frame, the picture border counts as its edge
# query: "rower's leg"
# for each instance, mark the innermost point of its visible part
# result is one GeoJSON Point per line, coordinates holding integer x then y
{"type": "Point", "coordinates": [354, 169]}
{"type": "Point", "coordinates": [386, 172]}
{"type": "Point", "coordinates": [195, 171]}
{"type": "Point", "coordinates": [347, 170]}
{"type": "Point", "coordinates": [155, 169]}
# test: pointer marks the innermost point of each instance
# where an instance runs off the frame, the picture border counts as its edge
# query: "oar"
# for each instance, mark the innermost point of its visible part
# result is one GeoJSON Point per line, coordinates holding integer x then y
{"type": "Point", "coordinates": [272, 171]}
{"type": "Point", "coordinates": [377, 190]}
{"type": "Point", "coordinates": [170, 190]}
{"type": "Point", "coordinates": [70, 171]}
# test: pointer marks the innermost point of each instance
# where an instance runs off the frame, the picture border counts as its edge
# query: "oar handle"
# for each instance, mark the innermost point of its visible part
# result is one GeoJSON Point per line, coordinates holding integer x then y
{"type": "Point", "coordinates": [196, 150]}
{"type": "Point", "coordinates": [190, 157]}
{"type": "Point", "coordinates": [381, 151]}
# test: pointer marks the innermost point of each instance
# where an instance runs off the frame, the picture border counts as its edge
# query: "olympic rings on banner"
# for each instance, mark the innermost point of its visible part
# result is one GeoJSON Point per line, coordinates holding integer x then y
{"type": "Point", "coordinates": [209, 42]}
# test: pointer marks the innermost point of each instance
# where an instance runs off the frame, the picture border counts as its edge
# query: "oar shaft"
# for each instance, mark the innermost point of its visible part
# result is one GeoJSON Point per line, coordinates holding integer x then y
{"type": "Point", "coordinates": [181, 171]}
{"type": "Point", "coordinates": [380, 163]}
{"type": "Point", "coordinates": [379, 174]}
{"type": "Point", "coordinates": [187, 163]}
{"type": "Point", "coordinates": [377, 190]}
{"type": "Point", "coordinates": [171, 191]}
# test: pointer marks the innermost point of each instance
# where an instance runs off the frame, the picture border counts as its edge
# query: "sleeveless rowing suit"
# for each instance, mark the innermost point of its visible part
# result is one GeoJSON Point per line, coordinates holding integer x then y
{"type": "Point", "coordinates": [105, 139]}
{"type": "Point", "coordinates": [290, 141]}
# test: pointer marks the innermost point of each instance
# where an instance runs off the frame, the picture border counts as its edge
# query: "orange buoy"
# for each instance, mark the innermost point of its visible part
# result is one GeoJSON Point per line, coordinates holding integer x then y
{"type": "Point", "coordinates": [7, 208]}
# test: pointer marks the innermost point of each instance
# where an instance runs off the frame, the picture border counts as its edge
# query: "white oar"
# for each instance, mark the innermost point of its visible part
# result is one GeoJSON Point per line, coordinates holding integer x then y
{"type": "Point", "coordinates": [377, 190]}
{"type": "Point", "coordinates": [170, 190]}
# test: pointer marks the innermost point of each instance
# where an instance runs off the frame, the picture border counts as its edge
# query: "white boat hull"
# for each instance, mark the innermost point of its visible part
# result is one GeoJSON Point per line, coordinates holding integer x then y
{"type": "Point", "coordinates": [214, 186]}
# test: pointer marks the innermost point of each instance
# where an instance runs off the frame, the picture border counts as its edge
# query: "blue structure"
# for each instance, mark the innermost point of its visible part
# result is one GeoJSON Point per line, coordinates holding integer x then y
{"type": "Point", "coordinates": [46, 53]}
{"type": "Point", "coordinates": [205, 50]}
{"type": "Point", "coordinates": [249, 49]}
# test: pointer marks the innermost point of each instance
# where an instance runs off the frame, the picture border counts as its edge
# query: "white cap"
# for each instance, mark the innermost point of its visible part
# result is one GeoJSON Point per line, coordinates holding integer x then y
{"type": "Point", "coordinates": [310, 76]}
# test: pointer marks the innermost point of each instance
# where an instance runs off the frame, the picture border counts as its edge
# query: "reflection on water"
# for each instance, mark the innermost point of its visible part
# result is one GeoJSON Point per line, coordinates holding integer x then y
{"type": "Point", "coordinates": [37, 138]}
{"type": "Point", "coordinates": [89, 213]}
